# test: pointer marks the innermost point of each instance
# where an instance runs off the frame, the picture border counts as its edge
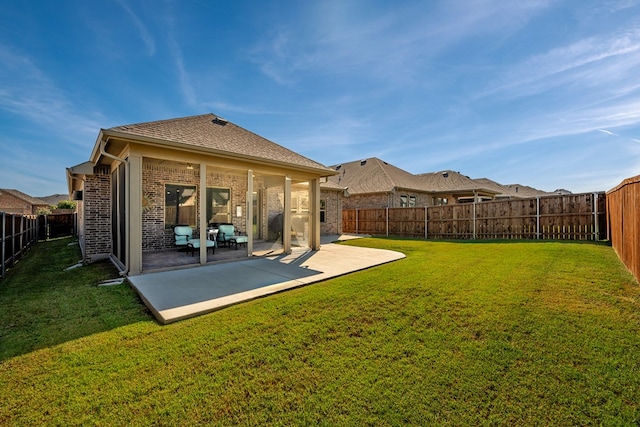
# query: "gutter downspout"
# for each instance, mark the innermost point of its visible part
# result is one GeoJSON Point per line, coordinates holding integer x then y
{"type": "Point", "coordinates": [103, 142]}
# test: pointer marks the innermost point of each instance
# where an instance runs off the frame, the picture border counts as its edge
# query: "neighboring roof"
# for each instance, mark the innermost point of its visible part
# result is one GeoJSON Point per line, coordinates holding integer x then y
{"type": "Point", "coordinates": [373, 176]}
{"type": "Point", "coordinates": [511, 190]}
{"type": "Point", "coordinates": [450, 181]}
{"type": "Point", "coordinates": [215, 135]}
{"type": "Point", "coordinates": [24, 197]}
{"type": "Point", "coordinates": [53, 199]}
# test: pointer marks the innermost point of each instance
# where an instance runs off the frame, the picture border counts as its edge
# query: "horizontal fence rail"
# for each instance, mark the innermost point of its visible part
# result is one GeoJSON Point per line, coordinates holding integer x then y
{"type": "Point", "coordinates": [558, 217]}
{"type": "Point", "coordinates": [19, 232]}
{"type": "Point", "coordinates": [623, 216]}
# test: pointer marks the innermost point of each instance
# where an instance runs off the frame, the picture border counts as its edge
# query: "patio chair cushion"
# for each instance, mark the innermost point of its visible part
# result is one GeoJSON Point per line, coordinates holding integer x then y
{"type": "Point", "coordinates": [182, 234]}
{"type": "Point", "coordinates": [183, 237]}
{"type": "Point", "coordinates": [226, 232]}
{"type": "Point", "coordinates": [195, 244]}
{"type": "Point", "coordinates": [238, 240]}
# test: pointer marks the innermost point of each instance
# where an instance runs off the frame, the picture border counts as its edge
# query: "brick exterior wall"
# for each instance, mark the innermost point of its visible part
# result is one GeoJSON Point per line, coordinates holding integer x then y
{"type": "Point", "coordinates": [11, 204]}
{"type": "Point", "coordinates": [384, 200]}
{"type": "Point", "coordinates": [96, 214]}
{"type": "Point", "coordinates": [333, 212]}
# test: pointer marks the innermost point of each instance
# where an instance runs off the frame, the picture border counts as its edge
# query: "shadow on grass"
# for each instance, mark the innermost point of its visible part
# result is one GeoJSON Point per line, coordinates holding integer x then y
{"type": "Point", "coordinates": [43, 305]}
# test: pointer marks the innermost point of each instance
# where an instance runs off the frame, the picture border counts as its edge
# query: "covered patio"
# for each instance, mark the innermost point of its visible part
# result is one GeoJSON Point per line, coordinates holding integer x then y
{"type": "Point", "coordinates": [199, 173]}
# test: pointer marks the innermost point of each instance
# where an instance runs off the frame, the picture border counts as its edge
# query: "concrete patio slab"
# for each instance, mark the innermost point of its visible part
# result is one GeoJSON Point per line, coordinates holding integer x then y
{"type": "Point", "coordinates": [180, 294]}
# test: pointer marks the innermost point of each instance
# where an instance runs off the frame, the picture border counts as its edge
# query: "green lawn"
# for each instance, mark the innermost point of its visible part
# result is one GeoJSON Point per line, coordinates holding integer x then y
{"type": "Point", "coordinates": [518, 333]}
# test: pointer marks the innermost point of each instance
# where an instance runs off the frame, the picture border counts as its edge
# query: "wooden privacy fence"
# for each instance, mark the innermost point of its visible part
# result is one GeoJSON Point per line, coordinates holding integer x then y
{"type": "Point", "coordinates": [19, 232]}
{"type": "Point", "coordinates": [558, 217]}
{"type": "Point", "coordinates": [623, 216]}
{"type": "Point", "coordinates": [57, 225]}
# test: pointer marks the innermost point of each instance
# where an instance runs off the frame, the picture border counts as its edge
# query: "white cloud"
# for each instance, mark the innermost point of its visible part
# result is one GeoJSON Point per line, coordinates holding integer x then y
{"type": "Point", "coordinates": [30, 94]}
{"type": "Point", "coordinates": [145, 35]}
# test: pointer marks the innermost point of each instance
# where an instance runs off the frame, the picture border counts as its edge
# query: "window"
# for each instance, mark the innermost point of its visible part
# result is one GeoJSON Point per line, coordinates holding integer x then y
{"type": "Point", "coordinates": [403, 201]}
{"type": "Point", "coordinates": [179, 205]}
{"type": "Point", "coordinates": [323, 209]}
{"type": "Point", "coordinates": [218, 205]}
{"type": "Point", "coordinates": [412, 201]}
{"type": "Point", "coordinates": [440, 201]}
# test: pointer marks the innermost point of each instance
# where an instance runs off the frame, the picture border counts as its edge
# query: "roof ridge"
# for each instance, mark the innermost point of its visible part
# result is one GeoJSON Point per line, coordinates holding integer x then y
{"type": "Point", "coordinates": [154, 122]}
{"type": "Point", "coordinates": [384, 170]}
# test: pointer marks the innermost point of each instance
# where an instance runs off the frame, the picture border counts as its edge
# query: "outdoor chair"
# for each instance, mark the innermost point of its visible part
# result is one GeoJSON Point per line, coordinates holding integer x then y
{"type": "Point", "coordinates": [185, 241]}
{"type": "Point", "coordinates": [227, 236]}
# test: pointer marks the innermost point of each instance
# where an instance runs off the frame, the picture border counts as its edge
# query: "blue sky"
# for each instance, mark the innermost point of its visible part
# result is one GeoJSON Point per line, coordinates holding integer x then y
{"type": "Point", "coordinates": [536, 92]}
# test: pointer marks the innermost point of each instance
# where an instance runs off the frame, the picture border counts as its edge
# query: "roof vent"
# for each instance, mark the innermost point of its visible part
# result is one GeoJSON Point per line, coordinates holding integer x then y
{"type": "Point", "coordinates": [363, 162]}
{"type": "Point", "coordinates": [445, 174]}
{"type": "Point", "coordinates": [338, 167]}
{"type": "Point", "coordinates": [220, 121]}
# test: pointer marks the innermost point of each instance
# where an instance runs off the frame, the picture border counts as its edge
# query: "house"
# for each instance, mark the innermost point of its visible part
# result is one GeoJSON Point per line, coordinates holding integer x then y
{"type": "Point", "coordinates": [17, 202]}
{"type": "Point", "coordinates": [374, 183]}
{"type": "Point", "coordinates": [511, 191]}
{"type": "Point", "coordinates": [449, 187]}
{"type": "Point", "coordinates": [141, 180]}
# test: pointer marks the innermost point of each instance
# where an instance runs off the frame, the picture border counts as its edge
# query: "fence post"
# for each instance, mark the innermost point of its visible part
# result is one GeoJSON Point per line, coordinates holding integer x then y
{"type": "Point", "coordinates": [357, 231]}
{"type": "Point", "coordinates": [387, 209]}
{"type": "Point", "coordinates": [426, 224]}
{"type": "Point", "coordinates": [475, 200]}
{"type": "Point", "coordinates": [596, 228]}
{"type": "Point", "coordinates": [13, 240]}
{"type": "Point", "coordinates": [538, 218]}
{"type": "Point", "coordinates": [4, 241]}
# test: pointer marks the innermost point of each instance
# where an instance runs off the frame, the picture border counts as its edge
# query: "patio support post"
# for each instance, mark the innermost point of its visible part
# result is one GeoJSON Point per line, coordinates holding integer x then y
{"type": "Point", "coordinates": [286, 216]}
{"type": "Point", "coordinates": [135, 214]}
{"type": "Point", "coordinates": [202, 204]}
{"type": "Point", "coordinates": [249, 210]}
{"type": "Point", "coordinates": [314, 186]}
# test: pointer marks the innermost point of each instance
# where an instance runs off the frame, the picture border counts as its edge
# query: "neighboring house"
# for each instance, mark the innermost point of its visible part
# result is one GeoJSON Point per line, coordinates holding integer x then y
{"type": "Point", "coordinates": [374, 183]}
{"type": "Point", "coordinates": [17, 202]}
{"type": "Point", "coordinates": [54, 199]}
{"type": "Point", "coordinates": [511, 191]}
{"type": "Point", "coordinates": [449, 187]}
{"type": "Point", "coordinates": [143, 179]}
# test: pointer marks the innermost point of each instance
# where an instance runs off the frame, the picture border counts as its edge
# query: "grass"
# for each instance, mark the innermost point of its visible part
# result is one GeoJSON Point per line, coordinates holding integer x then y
{"type": "Point", "coordinates": [455, 334]}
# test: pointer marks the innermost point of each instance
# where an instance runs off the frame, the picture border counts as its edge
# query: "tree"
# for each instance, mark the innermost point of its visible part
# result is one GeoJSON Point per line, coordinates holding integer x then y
{"type": "Point", "coordinates": [66, 204]}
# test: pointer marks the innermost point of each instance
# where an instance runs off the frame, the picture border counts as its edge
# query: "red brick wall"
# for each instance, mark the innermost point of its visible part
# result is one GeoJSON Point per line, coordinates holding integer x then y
{"type": "Point", "coordinates": [96, 212]}
{"type": "Point", "coordinates": [11, 204]}
{"type": "Point", "coordinates": [333, 212]}
{"type": "Point", "coordinates": [384, 200]}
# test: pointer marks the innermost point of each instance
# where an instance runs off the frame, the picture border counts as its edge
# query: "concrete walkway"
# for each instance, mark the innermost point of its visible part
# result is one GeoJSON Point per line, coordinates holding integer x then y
{"type": "Point", "coordinates": [180, 294]}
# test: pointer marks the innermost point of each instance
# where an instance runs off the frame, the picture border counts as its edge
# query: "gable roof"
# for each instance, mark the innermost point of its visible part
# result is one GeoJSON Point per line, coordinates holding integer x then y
{"type": "Point", "coordinates": [450, 181]}
{"type": "Point", "coordinates": [24, 197]}
{"type": "Point", "coordinates": [373, 176]}
{"type": "Point", "coordinates": [214, 135]}
{"type": "Point", "coordinates": [511, 190]}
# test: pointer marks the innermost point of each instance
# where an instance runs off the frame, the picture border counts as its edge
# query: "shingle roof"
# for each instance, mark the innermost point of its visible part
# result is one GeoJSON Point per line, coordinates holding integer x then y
{"type": "Point", "coordinates": [214, 134]}
{"type": "Point", "coordinates": [373, 176]}
{"type": "Point", "coordinates": [25, 197]}
{"type": "Point", "coordinates": [511, 190]}
{"type": "Point", "coordinates": [448, 181]}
